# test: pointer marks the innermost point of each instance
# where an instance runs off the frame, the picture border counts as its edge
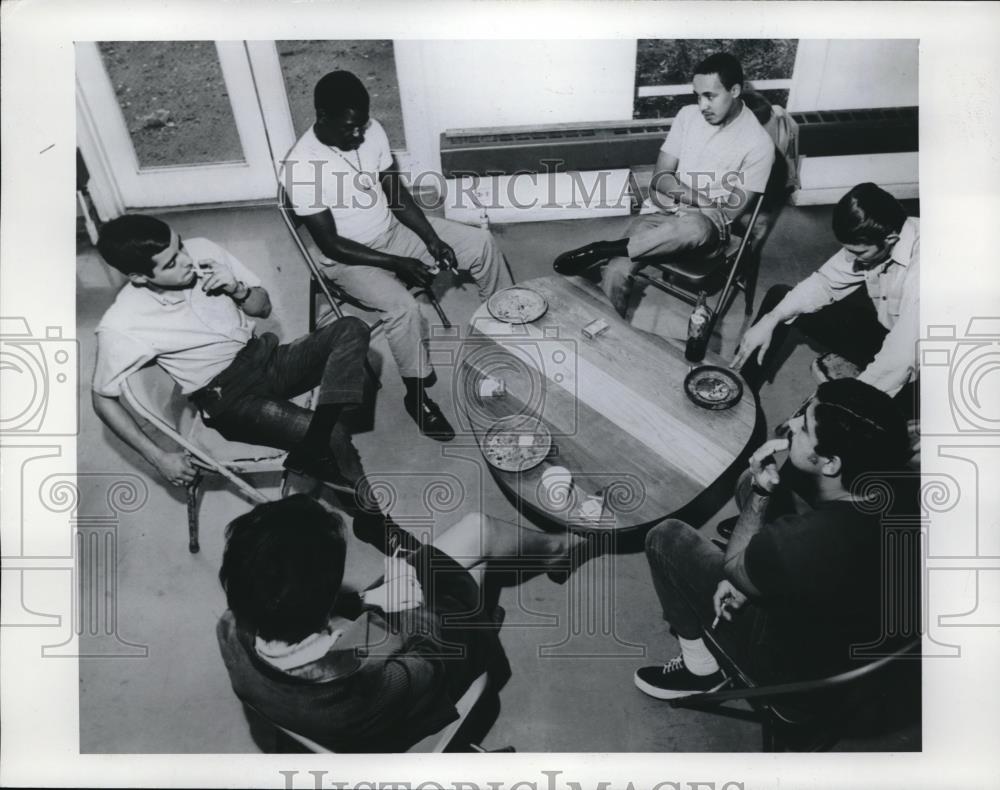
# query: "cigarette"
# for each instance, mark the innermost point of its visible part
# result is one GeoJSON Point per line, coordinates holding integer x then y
{"type": "Point", "coordinates": [722, 608]}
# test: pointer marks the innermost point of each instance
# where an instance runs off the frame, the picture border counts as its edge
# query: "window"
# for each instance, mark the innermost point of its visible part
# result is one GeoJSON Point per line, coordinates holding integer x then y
{"type": "Point", "coordinates": [174, 101]}
{"type": "Point", "coordinates": [373, 62]}
{"type": "Point", "coordinates": [664, 67]}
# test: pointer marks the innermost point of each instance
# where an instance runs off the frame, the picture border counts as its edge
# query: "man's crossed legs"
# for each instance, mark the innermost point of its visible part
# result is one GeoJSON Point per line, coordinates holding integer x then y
{"type": "Point", "coordinates": [250, 402]}
{"type": "Point", "coordinates": [649, 236]}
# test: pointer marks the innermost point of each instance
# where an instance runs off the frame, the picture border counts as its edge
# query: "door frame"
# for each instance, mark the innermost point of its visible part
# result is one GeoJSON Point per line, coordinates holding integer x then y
{"type": "Point", "coordinates": [119, 182]}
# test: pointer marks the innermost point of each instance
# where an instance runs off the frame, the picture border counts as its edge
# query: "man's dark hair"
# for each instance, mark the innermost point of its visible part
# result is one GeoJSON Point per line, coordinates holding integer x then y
{"type": "Point", "coordinates": [725, 65]}
{"type": "Point", "coordinates": [282, 568]}
{"type": "Point", "coordinates": [339, 91]}
{"type": "Point", "coordinates": [867, 215]}
{"type": "Point", "coordinates": [860, 425]}
{"type": "Point", "coordinates": [129, 243]}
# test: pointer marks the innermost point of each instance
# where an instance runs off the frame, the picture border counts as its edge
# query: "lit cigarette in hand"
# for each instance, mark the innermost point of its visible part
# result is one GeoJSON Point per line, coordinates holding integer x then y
{"type": "Point", "coordinates": [722, 608]}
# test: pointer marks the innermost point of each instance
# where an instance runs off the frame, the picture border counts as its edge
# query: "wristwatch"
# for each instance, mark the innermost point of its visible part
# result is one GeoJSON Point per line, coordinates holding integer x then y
{"type": "Point", "coordinates": [239, 300]}
{"type": "Point", "coordinates": [759, 490]}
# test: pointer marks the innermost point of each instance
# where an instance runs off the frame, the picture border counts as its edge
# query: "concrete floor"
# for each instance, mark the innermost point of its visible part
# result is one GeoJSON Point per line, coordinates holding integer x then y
{"type": "Point", "coordinates": [573, 647]}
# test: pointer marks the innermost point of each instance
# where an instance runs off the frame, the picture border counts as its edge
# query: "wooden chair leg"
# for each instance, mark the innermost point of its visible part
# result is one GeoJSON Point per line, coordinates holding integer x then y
{"type": "Point", "coordinates": [192, 513]}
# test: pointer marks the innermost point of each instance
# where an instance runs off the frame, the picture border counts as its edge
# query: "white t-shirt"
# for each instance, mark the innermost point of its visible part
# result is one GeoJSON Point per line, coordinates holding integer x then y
{"type": "Point", "coordinates": [191, 335]}
{"type": "Point", "coordinates": [718, 159]}
{"type": "Point", "coordinates": [320, 177]}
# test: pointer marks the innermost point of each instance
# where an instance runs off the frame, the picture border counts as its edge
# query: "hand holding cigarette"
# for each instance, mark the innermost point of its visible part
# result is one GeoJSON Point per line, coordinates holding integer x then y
{"type": "Point", "coordinates": [727, 599]}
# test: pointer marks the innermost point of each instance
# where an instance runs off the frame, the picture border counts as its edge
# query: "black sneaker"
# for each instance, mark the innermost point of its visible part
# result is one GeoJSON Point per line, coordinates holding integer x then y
{"type": "Point", "coordinates": [673, 680]}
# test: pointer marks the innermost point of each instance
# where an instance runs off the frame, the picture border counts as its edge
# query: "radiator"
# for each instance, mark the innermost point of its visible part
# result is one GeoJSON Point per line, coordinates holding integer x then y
{"type": "Point", "coordinates": [545, 149]}
{"type": "Point", "coordinates": [838, 147]}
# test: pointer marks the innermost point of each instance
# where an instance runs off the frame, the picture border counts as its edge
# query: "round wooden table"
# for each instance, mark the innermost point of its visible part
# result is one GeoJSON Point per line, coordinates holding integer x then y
{"type": "Point", "coordinates": [614, 405]}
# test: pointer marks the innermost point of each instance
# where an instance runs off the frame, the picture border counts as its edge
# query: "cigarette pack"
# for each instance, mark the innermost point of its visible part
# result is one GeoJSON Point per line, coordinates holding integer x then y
{"type": "Point", "coordinates": [595, 328]}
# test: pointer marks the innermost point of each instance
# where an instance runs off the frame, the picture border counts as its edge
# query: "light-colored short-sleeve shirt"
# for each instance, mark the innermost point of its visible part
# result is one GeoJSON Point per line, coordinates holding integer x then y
{"type": "Point", "coordinates": [191, 335]}
{"type": "Point", "coordinates": [893, 287]}
{"type": "Point", "coordinates": [320, 177]}
{"type": "Point", "coordinates": [717, 160]}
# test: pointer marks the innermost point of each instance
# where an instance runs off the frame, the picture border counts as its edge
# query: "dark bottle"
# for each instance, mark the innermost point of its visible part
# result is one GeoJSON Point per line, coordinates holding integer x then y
{"type": "Point", "coordinates": [698, 323]}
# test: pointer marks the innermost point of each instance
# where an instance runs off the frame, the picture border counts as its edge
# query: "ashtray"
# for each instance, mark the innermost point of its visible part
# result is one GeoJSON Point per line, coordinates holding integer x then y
{"type": "Point", "coordinates": [712, 387]}
{"type": "Point", "coordinates": [516, 443]}
{"type": "Point", "coordinates": [517, 305]}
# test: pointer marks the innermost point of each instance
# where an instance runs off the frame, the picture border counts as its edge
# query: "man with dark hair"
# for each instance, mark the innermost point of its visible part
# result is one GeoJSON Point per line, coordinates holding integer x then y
{"type": "Point", "coordinates": [806, 587]}
{"type": "Point", "coordinates": [715, 161]}
{"type": "Point", "coordinates": [862, 304]}
{"type": "Point", "coordinates": [187, 306]}
{"type": "Point", "coordinates": [341, 179]}
{"type": "Point", "coordinates": [370, 673]}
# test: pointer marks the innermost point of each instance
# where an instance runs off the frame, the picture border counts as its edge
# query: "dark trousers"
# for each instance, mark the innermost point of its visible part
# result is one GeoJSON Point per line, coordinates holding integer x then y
{"type": "Point", "coordinates": [249, 400]}
{"type": "Point", "coordinates": [848, 327]}
{"type": "Point", "coordinates": [686, 568]}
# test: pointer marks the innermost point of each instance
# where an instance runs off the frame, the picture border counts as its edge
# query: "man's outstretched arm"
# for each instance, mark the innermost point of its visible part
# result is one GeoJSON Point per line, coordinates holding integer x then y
{"type": "Point", "coordinates": [323, 230]}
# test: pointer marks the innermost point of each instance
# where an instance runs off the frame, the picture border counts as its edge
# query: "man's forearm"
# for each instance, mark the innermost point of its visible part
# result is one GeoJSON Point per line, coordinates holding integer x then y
{"type": "Point", "coordinates": [670, 186]}
{"type": "Point", "coordinates": [748, 524]}
{"type": "Point", "coordinates": [352, 253]}
{"type": "Point", "coordinates": [409, 213]}
{"type": "Point", "coordinates": [122, 425]}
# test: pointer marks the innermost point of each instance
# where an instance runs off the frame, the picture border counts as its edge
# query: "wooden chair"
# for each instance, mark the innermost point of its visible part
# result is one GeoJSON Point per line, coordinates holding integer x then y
{"type": "Point", "coordinates": [785, 724]}
{"type": "Point", "coordinates": [435, 742]}
{"type": "Point", "coordinates": [153, 396]}
{"type": "Point", "coordinates": [334, 295]}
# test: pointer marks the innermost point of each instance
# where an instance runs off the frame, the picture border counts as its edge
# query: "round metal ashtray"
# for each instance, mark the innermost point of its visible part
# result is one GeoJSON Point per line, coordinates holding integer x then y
{"type": "Point", "coordinates": [712, 387]}
{"type": "Point", "coordinates": [517, 305]}
{"type": "Point", "coordinates": [516, 443]}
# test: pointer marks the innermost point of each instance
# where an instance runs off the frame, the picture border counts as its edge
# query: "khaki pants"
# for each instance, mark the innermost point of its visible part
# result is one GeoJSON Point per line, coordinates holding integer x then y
{"type": "Point", "coordinates": [477, 253]}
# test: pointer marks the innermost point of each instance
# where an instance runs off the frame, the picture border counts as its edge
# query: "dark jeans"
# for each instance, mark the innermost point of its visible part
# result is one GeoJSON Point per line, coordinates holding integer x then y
{"type": "Point", "coordinates": [848, 327]}
{"type": "Point", "coordinates": [249, 400]}
{"type": "Point", "coordinates": [686, 568]}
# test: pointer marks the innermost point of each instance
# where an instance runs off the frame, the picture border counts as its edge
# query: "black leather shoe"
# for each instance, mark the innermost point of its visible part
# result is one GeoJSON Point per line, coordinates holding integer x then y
{"type": "Point", "coordinates": [383, 533]}
{"type": "Point", "coordinates": [575, 261]}
{"type": "Point", "coordinates": [726, 526]}
{"type": "Point", "coordinates": [320, 467]}
{"type": "Point", "coordinates": [579, 553]}
{"type": "Point", "coordinates": [429, 419]}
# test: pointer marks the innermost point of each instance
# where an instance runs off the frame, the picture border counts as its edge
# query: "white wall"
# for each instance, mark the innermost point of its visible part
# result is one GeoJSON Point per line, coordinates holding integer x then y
{"type": "Point", "coordinates": [461, 84]}
{"type": "Point", "coordinates": [843, 74]}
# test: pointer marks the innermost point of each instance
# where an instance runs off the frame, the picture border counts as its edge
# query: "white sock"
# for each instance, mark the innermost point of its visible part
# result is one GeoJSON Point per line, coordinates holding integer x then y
{"type": "Point", "coordinates": [697, 657]}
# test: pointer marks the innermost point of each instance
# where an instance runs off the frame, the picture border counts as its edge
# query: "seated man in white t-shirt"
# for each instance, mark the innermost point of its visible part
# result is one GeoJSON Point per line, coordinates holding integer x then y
{"type": "Point", "coordinates": [714, 163]}
{"type": "Point", "coordinates": [376, 241]}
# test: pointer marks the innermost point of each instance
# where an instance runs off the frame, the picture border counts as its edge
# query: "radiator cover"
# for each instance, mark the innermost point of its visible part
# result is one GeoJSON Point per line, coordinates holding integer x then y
{"type": "Point", "coordinates": [621, 144]}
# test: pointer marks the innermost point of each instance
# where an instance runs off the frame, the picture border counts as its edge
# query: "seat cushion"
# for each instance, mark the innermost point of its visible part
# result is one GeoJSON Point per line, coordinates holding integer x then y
{"type": "Point", "coordinates": [695, 272]}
